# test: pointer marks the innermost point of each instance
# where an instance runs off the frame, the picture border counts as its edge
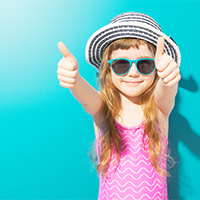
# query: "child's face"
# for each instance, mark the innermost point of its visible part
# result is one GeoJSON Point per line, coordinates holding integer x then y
{"type": "Point", "coordinates": [132, 84]}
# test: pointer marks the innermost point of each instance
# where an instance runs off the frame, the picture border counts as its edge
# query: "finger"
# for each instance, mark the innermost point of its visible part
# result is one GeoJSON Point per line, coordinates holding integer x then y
{"type": "Point", "coordinates": [66, 85]}
{"type": "Point", "coordinates": [173, 74]}
{"type": "Point", "coordinates": [163, 63]}
{"type": "Point", "coordinates": [63, 49]}
{"type": "Point", "coordinates": [160, 47]}
{"type": "Point", "coordinates": [67, 73]}
{"type": "Point", "coordinates": [67, 80]}
{"type": "Point", "coordinates": [173, 81]}
{"type": "Point", "coordinates": [165, 67]}
{"type": "Point", "coordinates": [67, 64]}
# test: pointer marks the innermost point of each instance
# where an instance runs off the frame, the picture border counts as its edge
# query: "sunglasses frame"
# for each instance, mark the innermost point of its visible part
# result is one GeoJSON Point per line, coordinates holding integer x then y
{"type": "Point", "coordinates": [130, 62]}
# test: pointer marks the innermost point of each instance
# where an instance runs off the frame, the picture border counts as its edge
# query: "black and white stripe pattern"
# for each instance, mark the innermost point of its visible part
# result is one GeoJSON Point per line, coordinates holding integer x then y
{"type": "Point", "coordinates": [128, 25]}
{"type": "Point", "coordinates": [135, 17]}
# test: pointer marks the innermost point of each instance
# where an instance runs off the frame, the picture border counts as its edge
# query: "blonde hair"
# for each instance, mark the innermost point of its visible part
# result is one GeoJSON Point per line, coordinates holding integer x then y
{"type": "Point", "coordinates": [110, 141]}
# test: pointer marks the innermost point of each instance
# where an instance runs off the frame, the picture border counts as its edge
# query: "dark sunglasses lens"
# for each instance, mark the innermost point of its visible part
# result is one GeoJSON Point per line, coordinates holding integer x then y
{"type": "Point", "coordinates": [120, 66]}
{"type": "Point", "coordinates": [146, 66]}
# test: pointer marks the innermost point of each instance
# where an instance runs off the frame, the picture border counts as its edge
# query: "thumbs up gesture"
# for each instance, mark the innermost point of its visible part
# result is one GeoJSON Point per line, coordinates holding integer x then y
{"type": "Point", "coordinates": [167, 68]}
{"type": "Point", "coordinates": [67, 68]}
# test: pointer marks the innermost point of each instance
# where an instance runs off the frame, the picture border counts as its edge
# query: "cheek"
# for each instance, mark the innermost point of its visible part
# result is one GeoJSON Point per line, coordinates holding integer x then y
{"type": "Point", "coordinates": [150, 79]}
{"type": "Point", "coordinates": [115, 79]}
{"type": "Point", "coordinates": [153, 77]}
{"type": "Point", "coordinates": [112, 75]}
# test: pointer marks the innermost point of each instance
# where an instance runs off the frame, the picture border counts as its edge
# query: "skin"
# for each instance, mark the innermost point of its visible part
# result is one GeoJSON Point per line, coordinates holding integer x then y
{"type": "Point", "coordinates": [165, 92]}
{"type": "Point", "coordinates": [132, 85]}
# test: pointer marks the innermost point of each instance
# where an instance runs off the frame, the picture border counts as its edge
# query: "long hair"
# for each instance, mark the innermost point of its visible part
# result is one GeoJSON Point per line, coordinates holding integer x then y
{"type": "Point", "coordinates": [110, 141]}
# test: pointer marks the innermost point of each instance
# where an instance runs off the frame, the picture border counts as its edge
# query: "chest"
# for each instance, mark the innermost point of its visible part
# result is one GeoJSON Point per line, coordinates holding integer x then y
{"type": "Point", "coordinates": [131, 117]}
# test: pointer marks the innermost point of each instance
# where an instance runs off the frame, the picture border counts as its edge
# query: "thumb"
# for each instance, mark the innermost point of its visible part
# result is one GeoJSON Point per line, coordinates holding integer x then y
{"type": "Point", "coordinates": [64, 50]}
{"type": "Point", "coordinates": [160, 48]}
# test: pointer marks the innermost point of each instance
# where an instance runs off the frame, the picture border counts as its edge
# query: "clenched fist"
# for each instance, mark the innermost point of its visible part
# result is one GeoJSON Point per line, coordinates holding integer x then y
{"type": "Point", "coordinates": [167, 68]}
{"type": "Point", "coordinates": [67, 68]}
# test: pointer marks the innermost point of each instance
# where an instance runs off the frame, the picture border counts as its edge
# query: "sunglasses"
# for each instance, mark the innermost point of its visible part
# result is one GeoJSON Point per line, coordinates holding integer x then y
{"type": "Point", "coordinates": [121, 66]}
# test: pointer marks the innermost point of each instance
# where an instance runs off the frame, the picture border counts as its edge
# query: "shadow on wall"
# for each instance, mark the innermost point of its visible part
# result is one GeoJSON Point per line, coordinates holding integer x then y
{"type": "Point", "coordinates": [180, 130]}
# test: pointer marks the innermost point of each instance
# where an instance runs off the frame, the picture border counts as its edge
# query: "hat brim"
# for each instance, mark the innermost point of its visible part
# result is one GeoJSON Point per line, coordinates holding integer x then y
{"type": "Point", "coordinates": [99, 40]}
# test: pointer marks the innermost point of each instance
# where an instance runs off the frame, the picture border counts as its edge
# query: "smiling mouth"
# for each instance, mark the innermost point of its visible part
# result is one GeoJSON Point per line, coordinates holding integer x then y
{"type": "Point", "coordinates": [133, 82]}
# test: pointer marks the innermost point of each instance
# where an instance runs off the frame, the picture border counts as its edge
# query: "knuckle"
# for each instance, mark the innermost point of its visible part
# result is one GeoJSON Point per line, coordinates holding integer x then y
{"type": "Point", "coordinates": [165, 81]}
{"type": "Point", "coordinates": [59, 77]}
{"type": "Point", "coordinates": [160, 74]}
{"type": "Point", "coordinates": [66, 85]}
{"type": "Point", "coordinates": [158, 67]}
{"type": "Point", "coordinates": [62, 84]}
{"type": "Point", "coordinates": [74, 74]}
{"type": "Point", "coordinates": [179, 77]}
{"type": "Point", "coordinates": [58, 71]}
{"type": "Point", "coordinates": [73, 67]}
{"type": "Point", "coordinates": [169, 84]}
{"type": "Point", "coordinates": [60, 63]}
{"type": "Point", "coordinates": [178, 70]}
{"type": "Point", "coordinates": [72, 81]}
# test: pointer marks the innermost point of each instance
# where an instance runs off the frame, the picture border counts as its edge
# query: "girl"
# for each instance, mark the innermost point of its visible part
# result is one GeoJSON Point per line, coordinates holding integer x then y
{"type": "Point", "coordinates": [138, 76]}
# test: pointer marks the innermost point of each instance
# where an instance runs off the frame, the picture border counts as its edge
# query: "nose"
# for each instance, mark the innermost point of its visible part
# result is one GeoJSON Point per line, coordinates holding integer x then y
{"type": "Point", "coordinates": [133, 71]}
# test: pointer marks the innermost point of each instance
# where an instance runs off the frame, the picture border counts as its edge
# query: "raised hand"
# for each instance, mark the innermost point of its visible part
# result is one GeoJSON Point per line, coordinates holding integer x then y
{"type": "Point", "coordinates": [67, 68]}
{"type": "Point", "coordinates": [167, 68]}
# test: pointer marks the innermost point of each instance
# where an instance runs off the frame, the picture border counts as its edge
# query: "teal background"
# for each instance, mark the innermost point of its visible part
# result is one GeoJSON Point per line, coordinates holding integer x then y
{"type": "Point", "coordinates": [45, 134]}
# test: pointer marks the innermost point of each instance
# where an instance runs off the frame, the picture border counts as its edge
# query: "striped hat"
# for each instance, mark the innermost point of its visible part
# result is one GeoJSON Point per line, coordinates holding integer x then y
{"type": "Point", "coordinates": [128, 25]}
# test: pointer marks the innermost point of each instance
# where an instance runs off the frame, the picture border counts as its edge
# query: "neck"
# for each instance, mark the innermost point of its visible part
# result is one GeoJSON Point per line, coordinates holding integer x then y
{"type": "Point", "coordinates": [131, 113]}
{"type": "Point", "coordinates": [130, 101]}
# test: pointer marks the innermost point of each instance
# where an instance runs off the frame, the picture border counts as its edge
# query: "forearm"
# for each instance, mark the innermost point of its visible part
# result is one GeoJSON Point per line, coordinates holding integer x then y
{"type": "Point", "coordinates": [165, 96]}
{"type": "Point", "coordinates": [164, 92]}
{"type": "Point", "coordinates": [86, 95]}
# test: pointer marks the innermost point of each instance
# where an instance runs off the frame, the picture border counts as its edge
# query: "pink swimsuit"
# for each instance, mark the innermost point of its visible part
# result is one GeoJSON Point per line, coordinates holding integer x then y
{"type": "Point", "coordinates": [135, 177]}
